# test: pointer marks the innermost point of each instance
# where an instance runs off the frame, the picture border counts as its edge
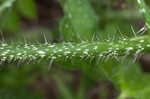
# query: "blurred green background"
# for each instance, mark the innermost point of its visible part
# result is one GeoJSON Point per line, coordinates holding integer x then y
{"type": "Point", "coordinates": [34, 21]}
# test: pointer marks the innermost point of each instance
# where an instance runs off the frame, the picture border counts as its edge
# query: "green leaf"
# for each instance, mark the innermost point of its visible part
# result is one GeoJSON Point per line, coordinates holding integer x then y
{"type": "Point", "coordinates": [65, 91]}
{"type": "Point", "coordinates": [128, 78]}
{"type": "Point", "coordinates": [21, 93]}
{"type": "Point", "coordinates": [145, 11]}
{"type": "Point", "coordinates": [6, 4]}
{"type": "Point", "coordinates": [133, 82]}
{"type": "Point", "coordinates": [27, 8]}
{"type": "Point", "coordinates": [80, 21]}
{"type": "Point", "coordinates": [68, 34]}
{"type": "Point", "coordinates": [10, 21]}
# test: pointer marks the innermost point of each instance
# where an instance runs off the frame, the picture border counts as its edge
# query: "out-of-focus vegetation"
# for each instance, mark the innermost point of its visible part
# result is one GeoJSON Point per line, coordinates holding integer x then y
{"type": "Point", "coordinates": [53, 21]}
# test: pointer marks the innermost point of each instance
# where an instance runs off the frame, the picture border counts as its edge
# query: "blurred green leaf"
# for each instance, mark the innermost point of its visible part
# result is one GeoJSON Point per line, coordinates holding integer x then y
{"type": "Point", "coordinates": [80, 21]}
{"type": "Point", "coordinates": [21, 93]}
{"type": "Point", "coordinates": [15, 82]}
{"type": "Point", "coordinates": [10, 21]}
{"type": "Point", "coordinates": [5, 4]}
{"type": "Point", "coordinates": [133, 82]}
{"type": "Point", "coordinates": [27, 8]}
{"type": "Point", "coordinates": [66, 93]}
{"type": "Point", "coordinates": [145, 11]}
{"type": "Point", "coordinates": [128, 78]}
{"type": "Point", "coordinates": [81, 90]}
{"type": "Point", "coordinates": [66, 27]}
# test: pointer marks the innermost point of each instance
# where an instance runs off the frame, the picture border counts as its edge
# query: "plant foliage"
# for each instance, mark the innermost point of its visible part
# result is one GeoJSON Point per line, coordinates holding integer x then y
{"type": "Point", "coordinates": [83, 47]}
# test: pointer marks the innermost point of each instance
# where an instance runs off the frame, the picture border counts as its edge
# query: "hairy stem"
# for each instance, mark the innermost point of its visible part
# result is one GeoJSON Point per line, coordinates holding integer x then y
{"type": "Point", "coordinates": [69, 51]}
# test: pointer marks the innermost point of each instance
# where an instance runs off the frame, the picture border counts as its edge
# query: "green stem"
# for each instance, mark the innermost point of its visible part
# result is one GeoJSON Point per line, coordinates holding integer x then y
{"type": "Point", "coordinates": [69, 51]}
